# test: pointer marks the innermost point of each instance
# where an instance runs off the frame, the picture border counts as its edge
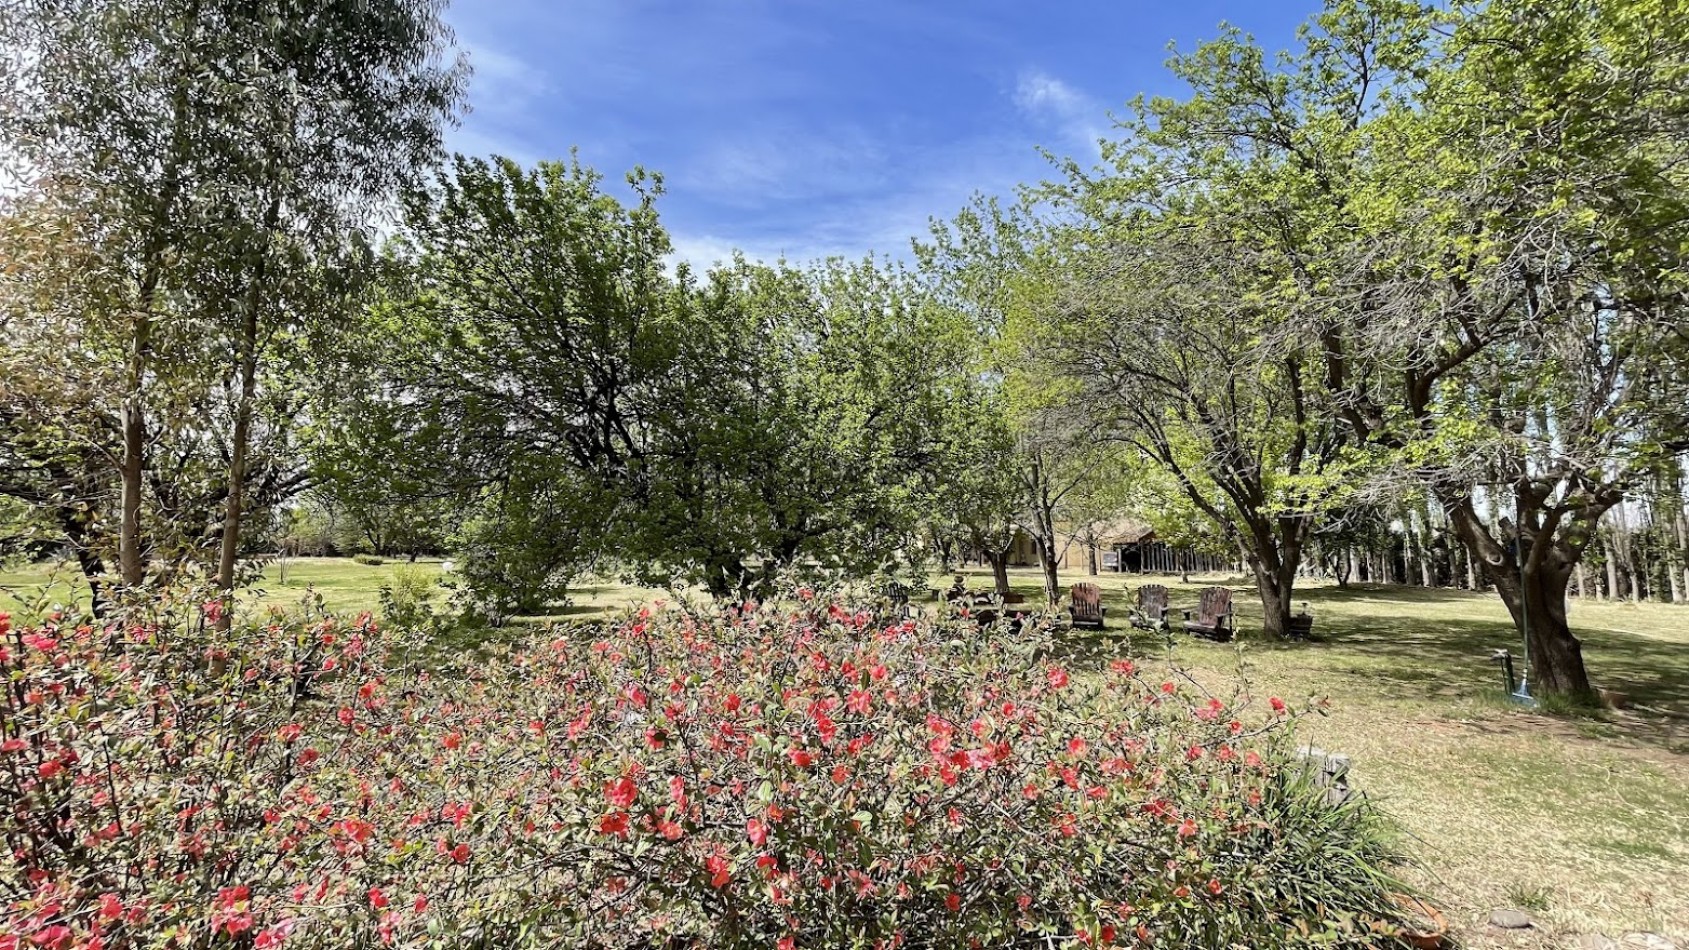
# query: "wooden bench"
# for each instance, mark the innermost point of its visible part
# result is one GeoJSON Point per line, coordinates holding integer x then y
{"type": "Point", "coordinates": [1213, 618]}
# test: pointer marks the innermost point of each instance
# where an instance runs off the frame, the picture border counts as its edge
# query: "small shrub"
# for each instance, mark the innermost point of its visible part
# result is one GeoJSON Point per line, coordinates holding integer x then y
{"type": "Point", "coordinates": [406, 599]}
{"type": "Point", "coordinates": [790, 775]}
{"type": "Point", "coordinates": [368, 560]}
{"type": "Point", "coordinates": [1528, 897]}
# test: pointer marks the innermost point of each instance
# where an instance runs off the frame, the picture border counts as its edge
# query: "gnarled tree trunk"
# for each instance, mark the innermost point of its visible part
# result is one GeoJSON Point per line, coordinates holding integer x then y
{"type": "Point", "coordinates": [1531, 573]}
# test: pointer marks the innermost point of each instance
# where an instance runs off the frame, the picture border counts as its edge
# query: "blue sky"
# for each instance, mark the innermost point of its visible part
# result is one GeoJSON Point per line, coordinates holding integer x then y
{"type": "Point", "coordinates": [815, 128]}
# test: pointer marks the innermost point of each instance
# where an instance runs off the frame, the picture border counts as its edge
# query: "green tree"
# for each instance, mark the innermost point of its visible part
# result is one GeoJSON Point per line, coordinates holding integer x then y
{"type": "Point", "coordinates": [226, 150]}
{"type": "Point", "coordinates": [717, 432]}
{"type": "Point", "coordinates": [1515, 280]}
{"type": "Point", "coordinates": [1035, 475]}
{"type": "Point", "coordinates": [1172, 344]}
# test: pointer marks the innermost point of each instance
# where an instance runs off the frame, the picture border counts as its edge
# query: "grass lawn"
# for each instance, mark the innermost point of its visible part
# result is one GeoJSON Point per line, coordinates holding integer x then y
{"type": "Point", "coordinates": [1583, 821]}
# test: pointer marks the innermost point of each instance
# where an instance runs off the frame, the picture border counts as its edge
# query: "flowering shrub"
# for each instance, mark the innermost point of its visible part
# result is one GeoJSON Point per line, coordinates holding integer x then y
{"type": "Point", "coordinates": [791, 775]}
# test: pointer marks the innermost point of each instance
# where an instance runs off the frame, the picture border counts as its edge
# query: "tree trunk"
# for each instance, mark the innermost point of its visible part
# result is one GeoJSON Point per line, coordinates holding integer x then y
{"type": "Point", "coordinates": [1427, 572]}
{"type": "Point", "coordinates": [999, 570]}
{"type": "Point", "coordinates": [1275, 587]}
{"type": "Point", "coordinates": [1052, 582]}
{"type": "Point", "coordinates": [130, 560]}
{"type": "Point", "coordinates": [1555, 656]}
{"type": "Point", "coordinates": [1532, 582]}
{"type": "Point", "coordinates": [1274, 558]}
{"type": "Point", "coordinates": [247, 350]}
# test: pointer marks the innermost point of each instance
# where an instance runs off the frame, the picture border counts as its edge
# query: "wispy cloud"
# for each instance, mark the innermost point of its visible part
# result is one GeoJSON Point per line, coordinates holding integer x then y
{"type": "Point", "coordinates": [786, 164]}
{"type": "Point", "coordinates": [504, 90]}
{"type": "Point", "coordinates": [503, 82]}
{"type": "Point", "coordinates": [1052, 103]}
{"type": "Point", "coordinates": [794, 130]}
{"type": "Point", "coordinates": [918, 185]}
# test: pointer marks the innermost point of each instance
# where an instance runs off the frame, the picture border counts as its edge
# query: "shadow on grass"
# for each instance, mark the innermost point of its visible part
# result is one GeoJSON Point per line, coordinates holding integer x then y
{"type": "Point", "coordinates": [1431, 655]}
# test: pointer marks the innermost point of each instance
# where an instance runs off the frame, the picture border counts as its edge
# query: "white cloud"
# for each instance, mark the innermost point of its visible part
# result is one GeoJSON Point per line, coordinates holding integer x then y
{"type": "Point", "coordinates": [502, 82]}
{"type": "Point", "coordinates": [787, 164]}
{"type": "Point", "coordinates": [1051, 102]}
{"type": "Point", "coordinates": [1039, 92]}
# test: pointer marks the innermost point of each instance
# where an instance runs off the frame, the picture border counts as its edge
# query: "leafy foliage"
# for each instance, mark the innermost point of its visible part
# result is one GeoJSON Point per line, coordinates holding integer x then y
{"type": "Point", "coordinates": [206, 170]}
{"type": "Point", "coordinates": [597, 409]}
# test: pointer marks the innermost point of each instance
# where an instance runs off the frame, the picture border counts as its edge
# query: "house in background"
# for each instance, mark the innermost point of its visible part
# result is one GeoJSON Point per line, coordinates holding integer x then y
{"type": "Point", "coordinates": [1123, 545]}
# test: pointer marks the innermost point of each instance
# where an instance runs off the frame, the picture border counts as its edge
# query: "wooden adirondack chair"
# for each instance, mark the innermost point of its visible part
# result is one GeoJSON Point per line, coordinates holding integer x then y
{"type": "Point", "coordinates": [1213, 612]}
{"type": "Point", "coordinates": [1151, 610]}
{"type": "Point", "coordinates": [897, 595]}
{"type": "Point", "coordinates": [1085, 606]}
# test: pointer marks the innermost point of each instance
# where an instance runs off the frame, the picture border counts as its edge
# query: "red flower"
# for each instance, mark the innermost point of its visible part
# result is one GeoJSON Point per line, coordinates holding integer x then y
{"type": "Point", "coordinates": [452, 740]}
{"type": "Point", "coordinates": [716, 866]}
{"type": "Point", "coordinates": [1277, 704]}
{"type": "Point", "coordinates": [757, 832]}
{"type": "Point", "coordinates": [377, 899]}
{"type": "Point", "coordinates": [953, 902]}
{"type": "Point", "coordinates": [860, 701]}
{"type": "Point", "coordinates": [460, 854]}
{"type": "Point", "coordinates": [1058, 677]}
{"type": "Point", "coordinates": [802, 758]}
{"type": "Point", "coordinates": [621, 792]}
{"type": "Point", "coordinates": [52, 937]}
{"type": "Point", "coordinates": [51, 767]}
{"type": "Point", "coordinates": [110, 907]}
{"type": "Point", "coordinates": [615, 823]}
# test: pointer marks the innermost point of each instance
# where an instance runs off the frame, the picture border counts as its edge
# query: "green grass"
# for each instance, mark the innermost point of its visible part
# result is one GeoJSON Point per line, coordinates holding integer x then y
{"type": "Point", "coordinates": [1583, 816]}
{"type": "Point", "coordinates": [344, 586]}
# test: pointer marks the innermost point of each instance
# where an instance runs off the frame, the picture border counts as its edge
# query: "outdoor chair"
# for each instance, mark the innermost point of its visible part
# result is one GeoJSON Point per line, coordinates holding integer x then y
{"type": "Point", "coordinates": [897, 595]}
{"type": "Point", "coordinates": [1213, 615]}
{"type": "Point", "coordinates": [1151, 610]}
{"type": "Point", "coordinates": [1085, 606]}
